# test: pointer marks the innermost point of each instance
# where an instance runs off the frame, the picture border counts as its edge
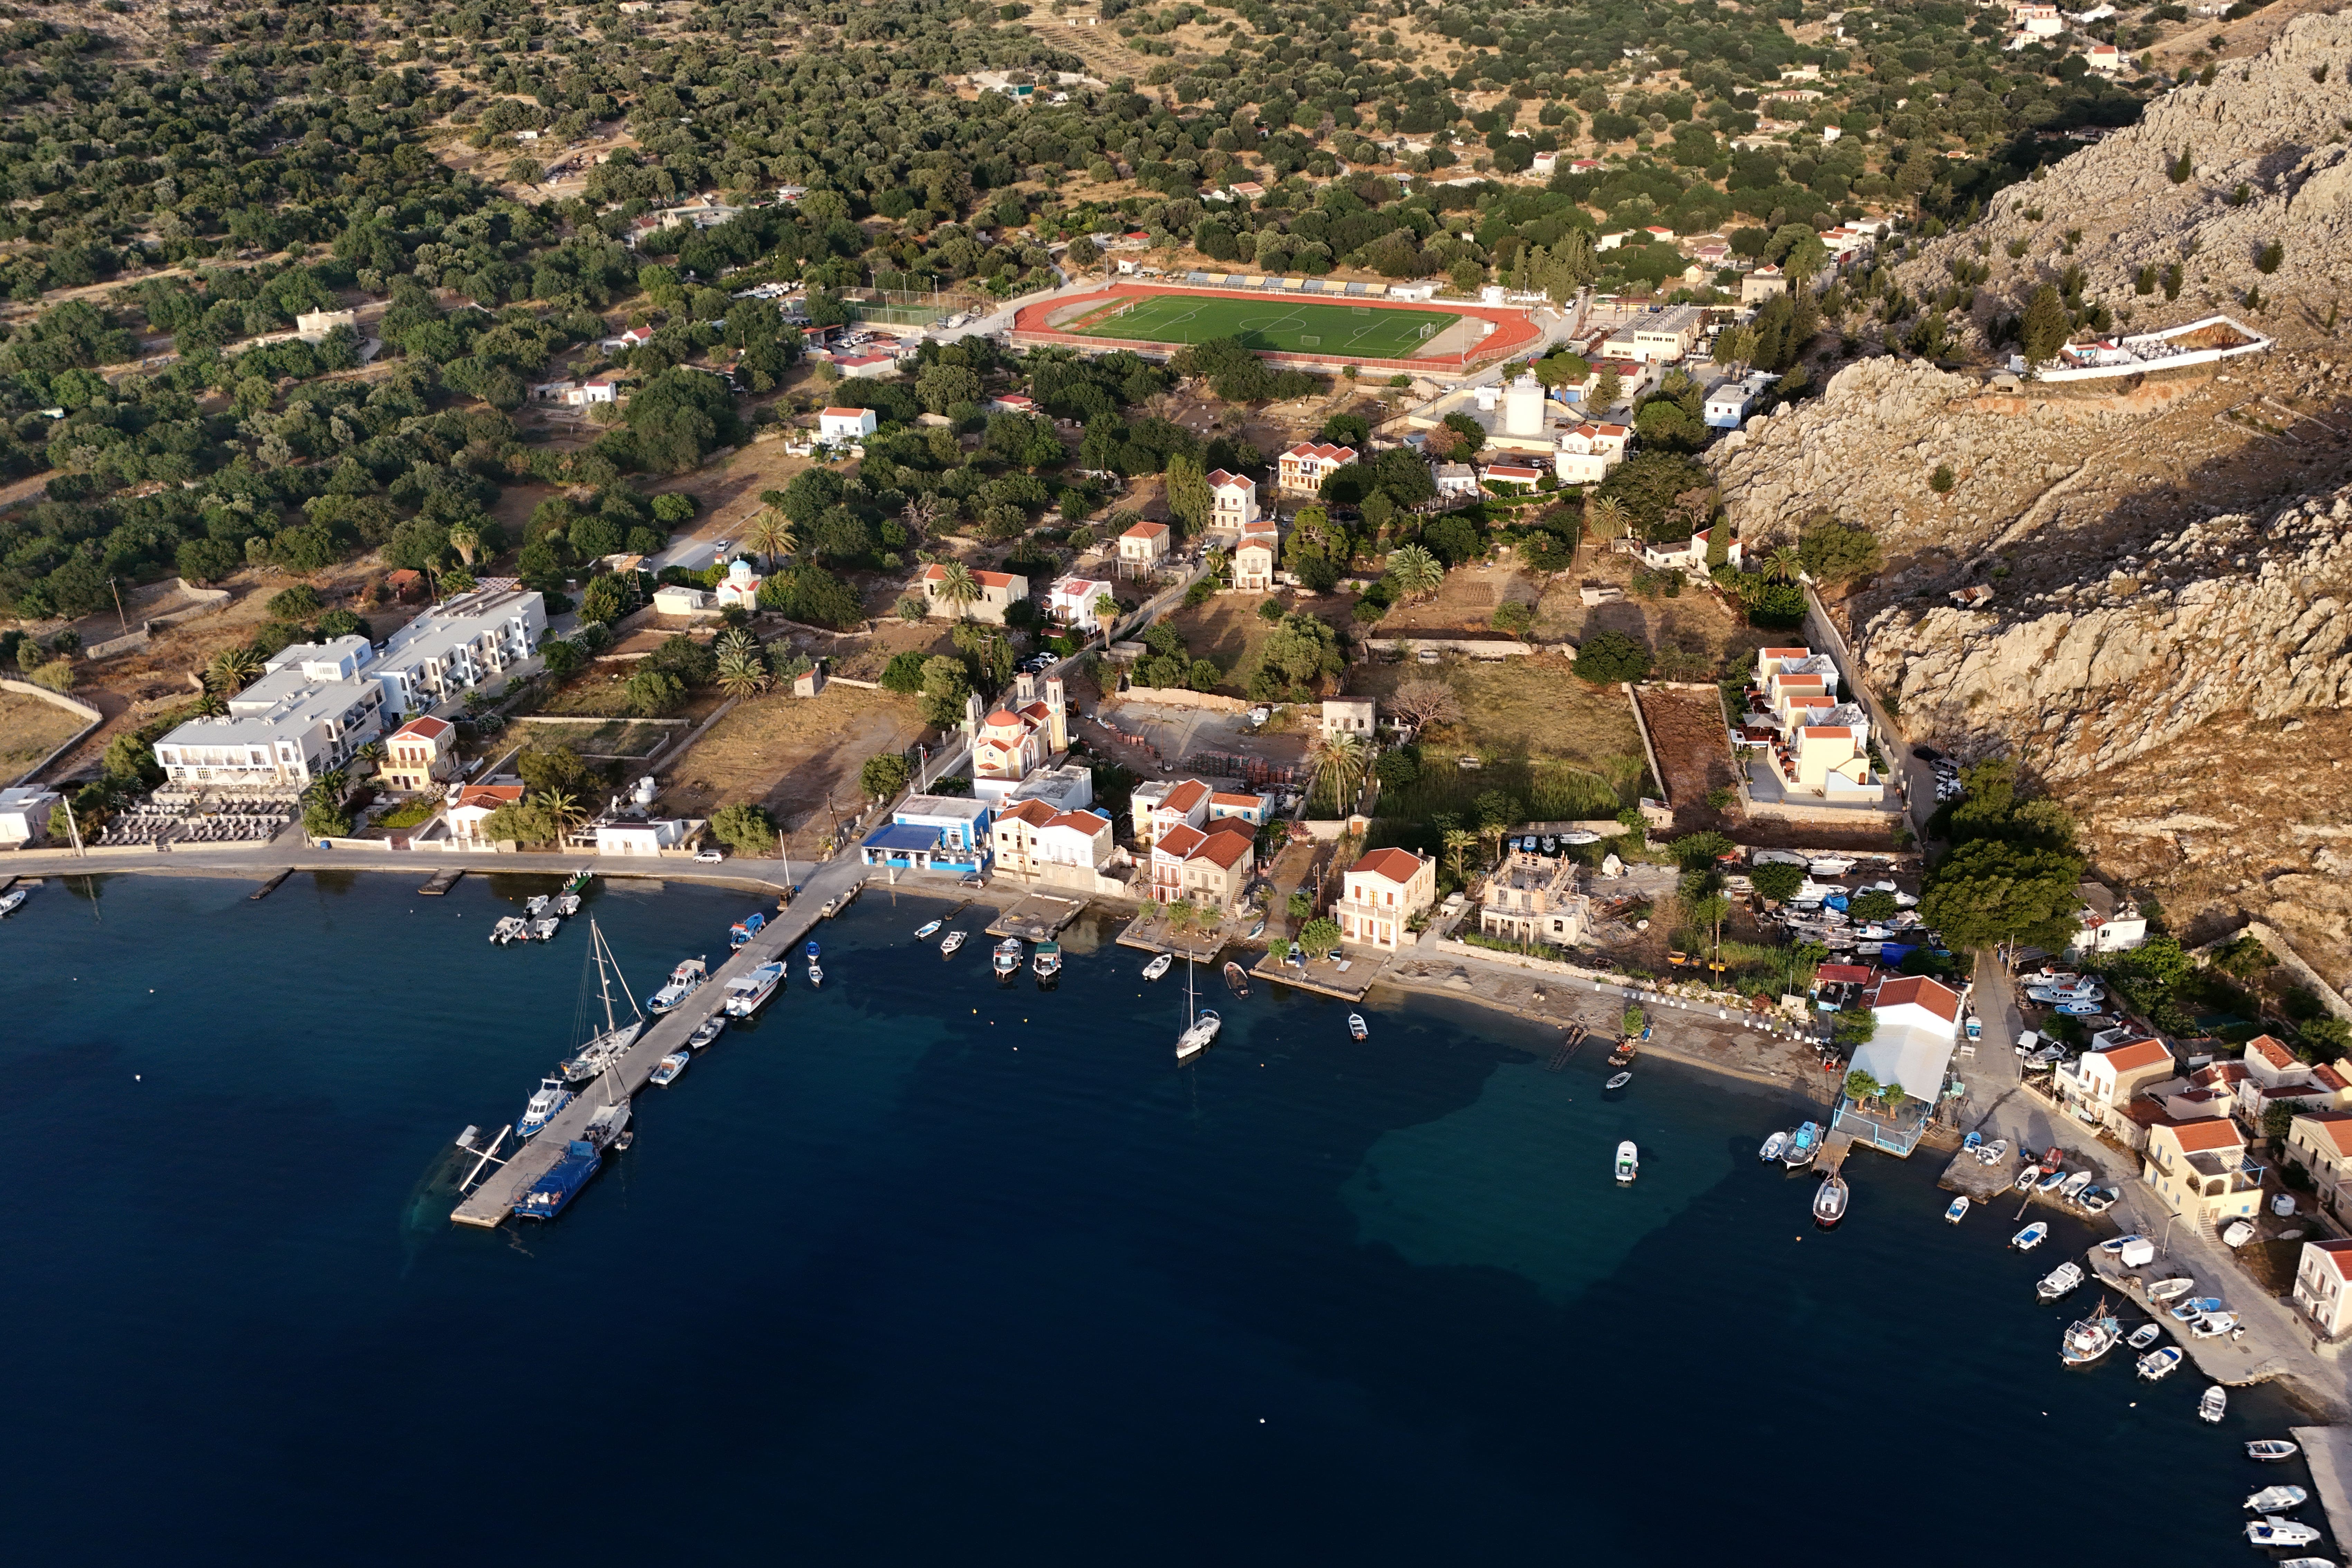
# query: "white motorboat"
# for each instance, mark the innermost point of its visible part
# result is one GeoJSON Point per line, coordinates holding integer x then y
{"type": "Point", "coordinates": [11, 900]}
{"type": "Point", "coordinates": [544, 928]}
{"type": "Point", "coordinates": [2114, 1245]}
{"type": "Point", "coordinates": [1772, 1147]}
{"type": "Point", "coordinates": [1629, 1162]}
{"type": "Point", "coordinates": [508, 928]}
{"type": "Point", "coordinates": [2058, 1281]}
{"type": "Point", "coordinates": [539, 905]}
{"type": "Point", "coordinates": [712, 1027]}
{"type": "Point", "coordinates": [1829, 1203]}
{"type": "Point", "coordinates": [1008, 958]}
{"type": "Point", "coordinates": [1829, 865]}
{"type": "Point", "coordinates": [1158, 966]}
{"type": "Point", "coordinates": [1958, 1210]}
{"type": "Point", "coordinates": [2170, 1290]}
{"type": "Point", "coordinates": [2270, 1450]}
{"type": "Point", "coordinates": [2213, 1325]}
{"type": "Point", "coordinates": [949, 942]}
{"type": "Point", "coordinates": [683, 981]}
{"type": "Point", "coordinates": [2274, 1532]}
{"type": "Point", "coordinates": [2213, 1403]}
{"type": "Point", "coordinates": [1577, 836]}
{"type": "Point", "coordinates": [2071, 1187]}
{"type": "Point", "coordinates": [816, 972]}
{"type": "Point", "coordinates": [2144, 1335]}
{"type": "Point", "coordinates": [2031, 1237]}
{"type": "Point", "coordinates": [928, 929]}
{"type": "Point", "coordinates": [567, 904]}
{"type": "Point", "coordinates": [2273, 1500]}
{"type": "Point", "coordinates": [671, 1066]}
{"type": "Point", "coordinates": [543, 1107]}
{"type": "Point", "coordinates": [2158, 1365]}
{"type": "Point", "coordinates": [2237, 1234]}
{"type": "Point", "coordinates": [747, 993]}
{"type": "Point", "coordinates": [1201, 1024]}
{"type": "Point", "coordinates": [1356, 1025]}
{"type": "Point", "coordinates": [1994, 1152]}
{"type": "Point", "coordinates": [2028, 1178]}
{"type": "Point", "coordinates": [1620, 1081]}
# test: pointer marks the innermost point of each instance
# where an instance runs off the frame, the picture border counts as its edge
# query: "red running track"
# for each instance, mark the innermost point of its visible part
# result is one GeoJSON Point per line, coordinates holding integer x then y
{"type": "Point", "coordinates": [1512, 331]}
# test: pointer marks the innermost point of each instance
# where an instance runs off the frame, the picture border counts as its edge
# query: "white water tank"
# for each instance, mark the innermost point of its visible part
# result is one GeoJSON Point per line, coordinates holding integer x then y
{"type": "Point", "coordinates": [1522, 407]}
{"type": "Point", "coordinates": [645, 791]}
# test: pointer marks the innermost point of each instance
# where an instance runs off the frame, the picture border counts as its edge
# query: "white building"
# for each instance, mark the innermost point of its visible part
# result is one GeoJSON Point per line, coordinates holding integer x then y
{"type": "Point", "coordinates": [1232, 501]}
{"type": "Point", "coordinates": [456, 646]}
{"type": "Point", "coordinates": [645, 835]}
{"type": "Point", "coordinates": [2105, 923]}
{"type": "Point", "coordinates": [309, 714]}
{"type": "Point", "coordinates": [741, 586]}
{"type": "Point", "coordinates": [1071, 600]}
{"type": "Point", "coordinates": [25, 814]}
{"type": "Point", "coordinates": [844, 424]}
{"type": "Point", "coordinates": [1918, 1026]}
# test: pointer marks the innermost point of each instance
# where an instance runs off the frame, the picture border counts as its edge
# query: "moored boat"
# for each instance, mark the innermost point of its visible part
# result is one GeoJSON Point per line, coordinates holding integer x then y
{"type": "Point", "coordinates": [928, 929]}
{"type": "Point", "coordinates": [608, 1125]}
{"type": "Point", "coordinates": [2058, 1281]}
{"type": "Point", "coordinates": [2213, 1403]}
{"type": "Point", "coordinates": [2274, 1532]}
{"type": "Point", "coordinates": [544, 928]}
{"type": "Point", "coordinates": [683, 981]}
{"type": "Point", "coordinates": [1629, 1162]}
{"type": "Point", "coordinates": [1956, 1210]}
{"type": "Point", "coordinates": [747, 993]}
{"type": "Point", "coordinates": [2031, 1237]}
{"type": "Point", "coordinates": [2088, 1339]}
{"type": "Point", "coordinates": [541, 1108]}
{"type": "Point", "coordinates": [2144, 1336]}
{"type": "Point", "coordinates": [538, 906]}
{"type": "Point", "coordinates": [2272, 1499]}
{"type": "Point", "coordinates": [741, 933]}
{"type": "Point", "coordinates": [669, 1068]}
{"type": "Point", "coordinates": [553, 1193]}
{"type": "Point", "coordinates": [1803, 1147]}
{"type": "Point", "coordinates": [1201, 1024]}
{"type": "Point", "coordinates": [1772, 1147]}
{"type": "Point", "coordinates": [1046, 962]}
{"type": "Point", "coordinates": [2158, 1364]}
{"type": "Point", "coordinates": [1158, 966]}
{"type": "Point", "coordinates": [1356, 1025]}
{"type": "Point", "coordinates": [949, 942]}
{"type": "Point", "coordinates": [1235, 981]}
{"type": "Point", "coordinates": [1620, 1081]}
{"type": "Point", "coordinates": [1829, 1203]}
{"type": "Point", "coordinates": [1008, 958]}
{"type": "Point", "coordinates": [508, 928]}
{"type": "Point", "coordinates": [566, 904]}
{"type": "Point", "coordinates": [2270, 1450]}
{"type": "Point", "coordinates": [711, 1029]}
{"type": "Point", "coordinates": [10, 901]}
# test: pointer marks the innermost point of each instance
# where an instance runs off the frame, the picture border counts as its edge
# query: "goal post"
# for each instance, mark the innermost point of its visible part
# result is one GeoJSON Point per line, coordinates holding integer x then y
{"type": "Point", "coordinates": [1428, 330]}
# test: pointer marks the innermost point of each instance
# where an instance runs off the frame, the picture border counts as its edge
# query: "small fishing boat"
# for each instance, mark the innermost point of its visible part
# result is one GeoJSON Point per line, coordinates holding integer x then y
{"type": "Point", "coordinates": [1772, 1147]}
{"type": "Point", "coordinates": [1256, 930]}
{"type": "Point", "coordinates": [2028, 1177]}
{"type": "Point", "coordinates": [553, 1192]}
{"type": "Point", "coordinates": [1235, 981]}
{"type": "Point", "coordinates": [1629, 1162]}
{"type": "Point", "coordinates": [2172, 1289]}
{"type": "Point", "coordinates": [670, 1067]}
{"type": "Point", "coordinates": [1356, 1025]}
{"type": "Point", "coordinates": [1158, 966]}
{"type": "Point", "coordinates": [544, 928]}
{"type": "Point", "coordinates": [2058, 1281]}
{"type": "Point", "coordinates": [2114, 1245]}
{"type": "Point", "coordinates": [949, 944]}
{"type": "Point", "coordinates": [2189, 1311]}
{"type": "Point", "coordinates": [2088, 1339]}
{"type": "Point", "coordinates": [543, 1107]}
{"type": "Point", "coordinates": [1008, 958]}
{"type": "Point", "coordinates": [2049, 1184]}
{"type": "Point", "coordinates": [2159, 1365]}
{"type": "Point", "coordinates": [2213, 1325]}
{"type": "Point", "coordinates": [2144, 1335]}
{"type": "Point", "coordinates": [741, 933]}
{"type": "Point", "coordinates": [712, 1027]}
{"type": "Point", "coordinates": [928, 929]}
{"type": "Point", "coordinates": [1994, 1152]}
{"type": "Point", "coordinates": [684, 980]}
{"type": "Point", "coordinates": [2271, 1450]}
{"type": "Point", "coordinates": [1803, 1147]}
{"type": "Point", "coordinates": [1829, 1203]}
{"type": "Point", "coordinates": [2213, 1403]}
{"type": "Point", "coordinates": [13, 899]}
{"type": "Point", "coordinates": [2272, 1531]}
{"type": "Point", "coordinates": [508, 928]}
{"type": "Point", "coordinates": [1046, 962]}
{"type": "Point", "coordinates": [747, 993]}
{"type": "Point", "coordinates": [1620, 1081]}
{"type": "Point", "coordinates": [2072, 1188]}
{"type": "Point", "coordinates": [2031, 1237]}
{"type": "Point", "coordinates": [1956, 1210]}
{"type": "Point", "coordinates": [2272, 1499]}
{"type": "Point", "coordinates": [2097, 1200]}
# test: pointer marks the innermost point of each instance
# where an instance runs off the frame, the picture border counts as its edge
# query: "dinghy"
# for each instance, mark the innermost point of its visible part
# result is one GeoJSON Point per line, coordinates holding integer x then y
{"type": "Point", "coordinates": [1356, 1025]}
{"type": "Point", "coordinates": [2213, 1403]}
{"type": "Point", "coordinates": [928, 928]}
{"type": "Point", "coordinates": [2270, 1450]}
{"type": "Point", "coordinates": [1772, 1147]}
{"type": "Point", "coordinates": [1620, 1081]}
{"type": "Point", "coordinates": [1958, 1210]}
{"type": "Point", "coordinates": [2144, 1336]}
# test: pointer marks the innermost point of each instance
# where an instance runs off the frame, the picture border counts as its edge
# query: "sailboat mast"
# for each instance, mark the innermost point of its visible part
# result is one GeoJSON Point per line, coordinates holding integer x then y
{"type": "Point", "coordinates": [603, 975]}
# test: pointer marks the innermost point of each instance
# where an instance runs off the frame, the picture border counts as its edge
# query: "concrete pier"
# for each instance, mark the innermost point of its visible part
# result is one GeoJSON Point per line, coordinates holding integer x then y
{"type": "Point", "coordinates": [2328, 1451]}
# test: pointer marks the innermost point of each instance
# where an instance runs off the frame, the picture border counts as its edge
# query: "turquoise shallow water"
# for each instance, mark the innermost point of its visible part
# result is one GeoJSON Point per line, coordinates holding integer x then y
{"type": "Point", "coordinates": [922, 1267]}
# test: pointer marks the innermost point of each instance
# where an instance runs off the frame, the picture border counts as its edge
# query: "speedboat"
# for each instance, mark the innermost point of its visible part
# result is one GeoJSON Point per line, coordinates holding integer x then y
{"type": "Point", "coordinates": [2214, 1404]}
{"type": "Point", "coordinates": [2090, 1338]}
{"type": "Point", "coordinates": [1008, 958]}
{"type": "Point", "coordinates": [929, 928]}
{"type": "Point", "coordinates": [2270, 1450]}
{"type": "Point", "coordinates": [567, 904]}
{"type": "Point", "coordinates": [671, 1066]}
{"type": "Point", "coordinates": [543, 1107]}
{"type": "Point", "coordinates": [683, 981]}
{"type": "Point", "coordinates": [1046, 962]}
{"type": "Point", "coordinates": [2271, 1499]}
{"type": "Point", "coordinates": [1958, 1210]}
{"type": "Point", "coordinates": [1629, 1162]}
{"type": "Point", "coordinates": [2274, 1532]}
{"type": "Point", "coordinates": [1803, 1147]}
{"type": "Point", "coordinates": [2144, 1336]}
{"type": "Point", "coordinates": [741, 933]}
{"type": "Point", "coordinates": [2189, 1311]}
{"type": "Point", "coordinates": [1620, 1081]}
{"type": "Point", "coordinates": [2028, 1177]}
{"type": "Point", "coordinates": [949, 944]}
{"type": "Point", "coordinates": [538, 906]}
{"type": "Point", "coordinates": [553, 1192]}
{"type": "Point", "coordinates": [747, 993]}
{"type": "Point", "coordinates": [2158, 1365]}
{"type": "Point", "coordinates": [1158, 966]}
{"type": "Point", "coordinates": [544, 928]}
{"type": "Point", "coordinates": [2031, 1237]}
{"type": "Point", "coordinates": [2058, 1281]}
{"type": "Point", "coordinates": [1772, 1147]}
{"type": "Point", "coordinates": [1356, 1025]}
{"type": "Point", "coordinates": [508, 928]}
{"type": "Point", "coordinates": [2072, 1188]}
{"type": "Point", "coordinates": [2172, 1289]}
{"type": "Point", "coordinates": [2116, 1244]}
{"type": "Point", "coordinates": [712, 1027]}
{"type": "Point", "coordinates": [1829, 1203]}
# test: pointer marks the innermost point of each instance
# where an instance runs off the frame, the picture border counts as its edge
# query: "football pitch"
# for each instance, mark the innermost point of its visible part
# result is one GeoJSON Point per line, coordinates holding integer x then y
{"type": "Point", "coordinates": [1278, 325]}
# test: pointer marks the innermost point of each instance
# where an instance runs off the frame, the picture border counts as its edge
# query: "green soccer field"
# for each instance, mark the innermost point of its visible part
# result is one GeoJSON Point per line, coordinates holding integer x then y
{"type": "Point", "coordinates": [1280, 325]}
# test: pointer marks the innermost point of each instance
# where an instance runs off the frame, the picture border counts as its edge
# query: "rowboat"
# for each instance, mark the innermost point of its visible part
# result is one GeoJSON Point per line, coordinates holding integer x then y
{"type": "Point", "coordinates": [1620, 1081]}
{"type": "Point", "coordinates": [2270, 1450]}
{"type": "Point", "coordinates": [1356, 1025]}
{"type": "Point", "coordinates": [1958, 1211]}
{"type": "Point", "coordinates": [928, 929]}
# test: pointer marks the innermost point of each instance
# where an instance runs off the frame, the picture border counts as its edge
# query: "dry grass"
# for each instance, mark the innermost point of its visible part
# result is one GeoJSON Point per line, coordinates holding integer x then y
{"type": "Point", "coordinates": [793, 755]}
{"type": "Point", "coordinates": [1531, 707]}
{"type": "Point", "coordinates": [30, 729]}
{"type": "Point", "coordinates": [621, 738]}
{"type": "Point", "coordinates": [1229, 629]}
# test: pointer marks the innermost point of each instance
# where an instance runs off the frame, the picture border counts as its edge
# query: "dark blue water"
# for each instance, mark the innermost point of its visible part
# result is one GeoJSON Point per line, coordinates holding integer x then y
{"type": "Point", "coordinates": [920, 1269]}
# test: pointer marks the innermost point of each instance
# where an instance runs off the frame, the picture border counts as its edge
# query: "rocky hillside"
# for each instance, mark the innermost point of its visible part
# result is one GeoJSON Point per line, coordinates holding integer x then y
{"type": "Point", "coordinates": [2270, 162]}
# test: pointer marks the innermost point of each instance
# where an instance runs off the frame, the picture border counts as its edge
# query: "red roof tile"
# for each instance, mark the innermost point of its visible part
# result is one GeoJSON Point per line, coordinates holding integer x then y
{"type": "Point", "coordinates": [2270, 1050]}
{"type": "Point", "coordinates": [2338, 1253]}
{"type": "Point", "coordinates": [1398, 866]}
{"type": "Point", "coordinates": [2333, 1128]}
{"type": "Point", "coordinates": [2138, 1054]}
{"type": "Point", "coordinates": [1917, 989]}
{"type": "Point", "coordinates": [2214, 1132]}
{"type": "Point", "coordinates": [426, 728]}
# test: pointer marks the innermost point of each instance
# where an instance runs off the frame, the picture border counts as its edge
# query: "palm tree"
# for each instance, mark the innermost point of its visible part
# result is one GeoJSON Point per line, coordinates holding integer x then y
{"type": "Point", "coordinates": [769, 533]}
{"type": "Point", "coordinates": [563, 809]}
{"type": "Point", "coordinates": [373, 752]}
{"type": "Point", "coordinates": [1416, 571]}
{"type": "Point", "coordinates": [1457, 842]}
{"type": "Point", "coordinates": [331, 786]}
{"type": "Point", "coordinates": [1338, 760]}
{"type": "Point", "coordinates": [741, 674]}
{"type": "Point", "coordinates": [736, 639]}
{"type": "Point", "coordinates": [1783, 564]}
{"type": "Point", "coordinates": [959, 587]}
{"type": "Point", "coordinates": [1605, 517]}
{"type": "Point", "coordinates": [231, 669]}
{"type": "Point", "coordinates": [1106, 610]}
{"type": "Point", "coordinates": [466, 541]}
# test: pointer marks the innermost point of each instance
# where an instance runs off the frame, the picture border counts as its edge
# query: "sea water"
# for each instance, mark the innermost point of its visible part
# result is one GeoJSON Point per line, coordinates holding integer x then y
{"type": "Point", "coordinates": [921, 1267]}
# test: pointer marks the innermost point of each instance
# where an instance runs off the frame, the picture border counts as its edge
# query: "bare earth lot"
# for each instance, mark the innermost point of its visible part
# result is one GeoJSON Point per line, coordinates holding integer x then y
{"type": "Point", "coordinates": [1533, 707]}
{"type": "Point", "coordinates": [1687, 729]}
{"type": "Point", "coordinates": [793, 755]}
{"type": "Point", "coordinates": [30, 729]}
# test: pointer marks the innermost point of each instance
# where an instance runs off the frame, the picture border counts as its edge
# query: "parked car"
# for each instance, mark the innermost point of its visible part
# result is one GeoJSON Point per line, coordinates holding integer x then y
{"type": "Point", "coordinates": [710, 857]}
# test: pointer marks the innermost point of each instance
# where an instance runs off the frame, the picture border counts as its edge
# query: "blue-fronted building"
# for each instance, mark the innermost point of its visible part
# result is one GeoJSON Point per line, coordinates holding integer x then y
{"type": "Point", "coordinates": [932, 832]}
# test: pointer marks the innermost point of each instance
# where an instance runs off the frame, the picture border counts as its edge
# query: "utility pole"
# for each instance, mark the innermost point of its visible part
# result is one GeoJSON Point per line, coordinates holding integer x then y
{"type": "Point", "coordinates": [73, 829]}
{"type": "Point", "coordinates": [121, 621]}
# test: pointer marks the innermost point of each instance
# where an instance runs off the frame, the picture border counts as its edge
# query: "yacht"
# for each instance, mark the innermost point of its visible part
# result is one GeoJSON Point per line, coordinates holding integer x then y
{"type": "Point", "coordinates": [712, 1027]}
{"type": "Point", "coordinates": [553, 1192]}
{"type": "Point", "coordinates": [672, 1065]}
{"type": "Point", "coordinates": [1047, 962]}
{"type": "Point", "coordinates": [1158, 966]}
{"type": "Point", "coordinates": [1772, 1147]}
{"type": "Point", "coordinates": [1201, 1024]}
{"type": "Point", "coordinates": [2058, 1281]}
{"type": "Point", "coordinates": [1803, 1147]}
{"type": "Point", "coordinates": [683, 981]}
{"type": "Point", "coordinates": [1008, 958]}
{"type": "Point", "coordinates": [949, 944]}
{"type": "Point", "coordinates": [747, 993]}
{"type": "Point", "coordinates": [607, 1046]}
{"type": "Point", "coordinates": [1829, 1203]}
{"type": "Point", "coordinates": [1629, 1162]}
{"type": "Point", "coordinates": [543, 1108]}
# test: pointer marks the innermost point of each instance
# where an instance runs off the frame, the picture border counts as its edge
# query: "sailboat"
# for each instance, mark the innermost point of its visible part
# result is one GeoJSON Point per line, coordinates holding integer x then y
{"type": "Point", "coordinates": [607, 1045]}
{"type": "Point", "coordinates": [1201, 1024]}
